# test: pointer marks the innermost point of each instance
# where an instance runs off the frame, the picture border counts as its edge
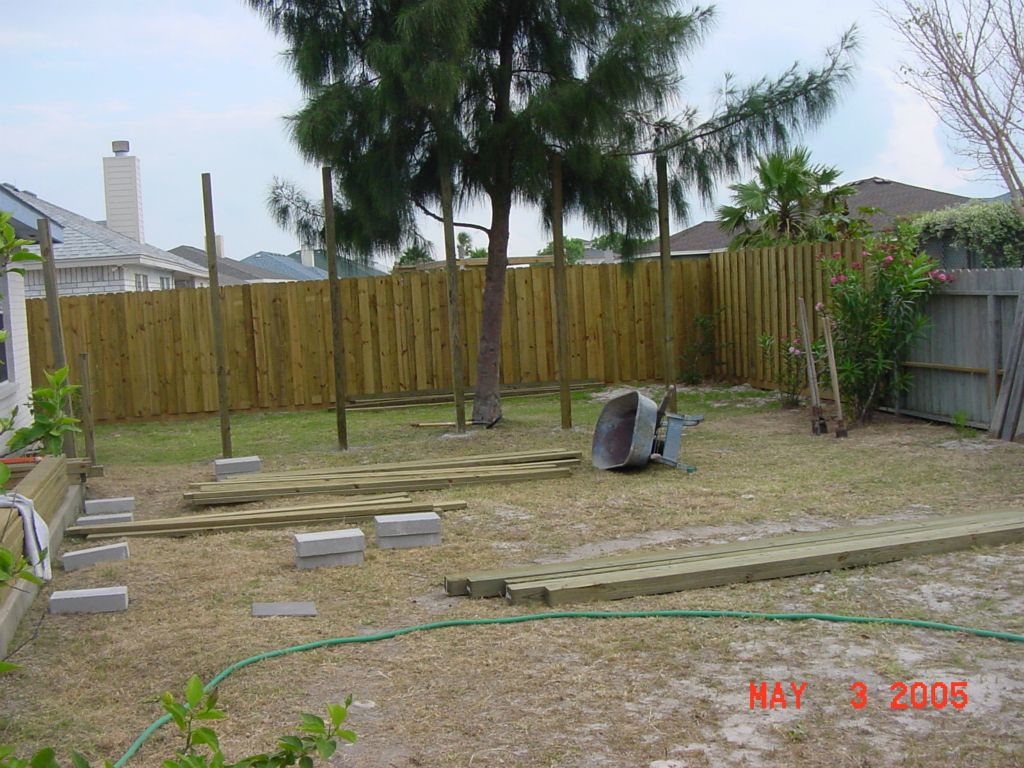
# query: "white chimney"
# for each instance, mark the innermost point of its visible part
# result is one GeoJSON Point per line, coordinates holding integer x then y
{"type": "Point", "coordinates": [306, 255]}
{"type": "Point", "coordinates": [122, 189]}
{"type": "Point", "coordinates": [220, 247]}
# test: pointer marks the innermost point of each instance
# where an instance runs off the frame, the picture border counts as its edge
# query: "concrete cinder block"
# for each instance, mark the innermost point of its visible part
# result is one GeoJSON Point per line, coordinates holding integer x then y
{"type": "Point", "coordinates": [329, 542]}
{"type": "Point", "coordinates": [81, 558]}
{"type": "Point", "coordinates": [323, 561]}
{"type": "Point", "coordinates": [409, 541]}
{"type": "Point", "coordinates": [120, 517]}
{"type": "Point", "coordinates": [237, 466]}
{"type": "Point", "coordinates": [407, 524]}
{"type": "Point", "coordinates": [103, 600]}
{"type": "Point", "coordinates": [110, 506]}
{"type": "Point", "coordinates": [283, 609]}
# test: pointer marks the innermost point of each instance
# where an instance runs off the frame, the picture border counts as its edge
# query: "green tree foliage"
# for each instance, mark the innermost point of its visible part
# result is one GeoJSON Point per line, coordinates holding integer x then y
{"type": "Point", "coordinates": [463, 245]}
{"type": "Point", "coordinates": [400, 93]}
{"type": "Point", "coordinates": [609, 241]}
{"type": "Point", "coordinates": [790, 201]}
{"type": "Point", "coordinates": [992, 233]}
{"type": "Point", "coordinates": [417, 253]}
{"type": "Point", "coordinates": [573, 247]}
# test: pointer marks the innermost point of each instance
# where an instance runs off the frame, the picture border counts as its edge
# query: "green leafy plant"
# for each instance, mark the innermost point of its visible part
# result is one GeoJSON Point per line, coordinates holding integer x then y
{"type": "Point", "coordinates": [50, 419]}
{"type": "Point", "coordinates": [876, 304]}
{"type": "Point", "coordinates": [963, 431]}
{"type": "Point", "coordinates": [316, 738]}
{"type": "Point", "coordinates": [991, 233]}
{"type": "Point", "coordinates": [791, 376]}
{"type": "Point", "coordinates": [698, 358]}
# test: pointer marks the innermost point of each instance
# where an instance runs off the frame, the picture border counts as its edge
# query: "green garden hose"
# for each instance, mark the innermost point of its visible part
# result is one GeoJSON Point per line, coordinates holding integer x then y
{"type": "Point", "coordinates": [692, 614]}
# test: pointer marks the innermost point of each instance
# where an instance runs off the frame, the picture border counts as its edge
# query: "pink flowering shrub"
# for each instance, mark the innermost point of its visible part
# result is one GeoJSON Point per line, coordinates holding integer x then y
{"type": "Point", "coordinates": [876, 306]}
{"type": "Point", "coordinates": [792, 376]}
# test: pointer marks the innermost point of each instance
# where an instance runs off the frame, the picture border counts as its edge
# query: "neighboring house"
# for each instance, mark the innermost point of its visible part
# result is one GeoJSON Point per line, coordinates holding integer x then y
{"type": "Point", "coordinates": [15, 370]}
{"type": "Point", "coordinates": [108, 256]}
{"type": "Point", "coordinates": [893, 198]}
{"type": "Point", "coordinates": [229, 271]}
{"type": "Point", "coordinates": [286, 267]}
{"type": "Point", "coordinates": [346, 267]}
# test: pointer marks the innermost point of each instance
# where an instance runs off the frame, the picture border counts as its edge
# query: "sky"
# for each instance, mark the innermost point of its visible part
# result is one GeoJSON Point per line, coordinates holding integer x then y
{"type": "Point", "coordinates": [201, 86]}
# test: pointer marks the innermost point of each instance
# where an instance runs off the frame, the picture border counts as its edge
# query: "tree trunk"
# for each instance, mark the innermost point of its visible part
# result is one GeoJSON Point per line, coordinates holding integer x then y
{"type": "Point", "coordinates": [487, 403]}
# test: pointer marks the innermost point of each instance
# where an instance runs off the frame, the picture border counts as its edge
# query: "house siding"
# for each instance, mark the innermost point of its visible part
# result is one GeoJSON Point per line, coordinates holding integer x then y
{"type": "Point", "coordinates": [17, 389]}
{"type": "Point", "coordinates": [75, 281]}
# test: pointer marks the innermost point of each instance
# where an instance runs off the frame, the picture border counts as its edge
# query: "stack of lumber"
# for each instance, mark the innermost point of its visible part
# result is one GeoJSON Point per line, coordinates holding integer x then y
{"type": "Point", "coordinates": [1007, 421]}
{"type": "Point", "coordinates": [46, 484]}
{"type": "Point", "coordinates": [398, 477]}
{"type": "Point", "coordinates": [351, 511]}
{"type": "Point", "coordinates": [75, 467]}
{"type": "Point", "coordinates": [651, 573]}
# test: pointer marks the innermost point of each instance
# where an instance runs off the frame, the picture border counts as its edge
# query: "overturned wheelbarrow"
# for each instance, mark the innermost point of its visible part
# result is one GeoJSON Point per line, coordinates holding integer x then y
{"type": "Point", "coordinates": [632, 431]}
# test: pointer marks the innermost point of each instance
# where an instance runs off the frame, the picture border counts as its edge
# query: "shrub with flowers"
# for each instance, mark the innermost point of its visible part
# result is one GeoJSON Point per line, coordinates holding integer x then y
{"type": "Point", "coordinates": [876, 307]}
{"type": "Point", "coordinates": [791, 377]}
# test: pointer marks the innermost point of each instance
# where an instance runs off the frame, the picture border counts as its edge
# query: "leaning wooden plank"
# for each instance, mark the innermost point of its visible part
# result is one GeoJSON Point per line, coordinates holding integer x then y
{"type": "Point", "coordinates": [771, 564]}
{"type": "Point", "coordinates": [372, 486]}
{"type": "Point", "coordinates": [491, 583]}
{"type": "Point", "coordinates": [1011, 368]}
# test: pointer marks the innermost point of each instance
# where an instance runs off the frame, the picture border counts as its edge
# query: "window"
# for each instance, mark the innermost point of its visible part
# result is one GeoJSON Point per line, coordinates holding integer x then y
{"type": "Point", "coordinates": [141, 282]}
{"type": "Point", "coordinates": [165, 283]}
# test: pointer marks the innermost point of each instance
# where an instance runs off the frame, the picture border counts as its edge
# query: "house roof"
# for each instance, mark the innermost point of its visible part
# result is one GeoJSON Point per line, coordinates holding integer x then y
{"type": "Point", "coordinates": [229, 271]}
{"type": "Point", "coordinates": [284, 266]}
{"type": "Point", "coordinates": [25, 216]}
{"type": "Point", "coordinates": [85, 240]}
{"type": "Point", "coordinates": [894, 198]}
{"type": "Point", "coordinates": [705, 237]}
{"type": "Point", "coordinates": [346, 267]}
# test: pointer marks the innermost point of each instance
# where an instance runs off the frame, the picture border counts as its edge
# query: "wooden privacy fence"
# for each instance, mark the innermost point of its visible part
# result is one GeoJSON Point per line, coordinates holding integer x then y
{"type": "Point", "coordinates": [151, 354]}
{"type": "Point", "coordinates": [957, 367]}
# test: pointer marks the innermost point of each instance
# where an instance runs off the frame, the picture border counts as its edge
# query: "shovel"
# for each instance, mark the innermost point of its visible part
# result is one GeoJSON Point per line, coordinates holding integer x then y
{"type": "Point", "coordinates": [819, 426]}
{"type": "Point", "coordinates": [840, 423]}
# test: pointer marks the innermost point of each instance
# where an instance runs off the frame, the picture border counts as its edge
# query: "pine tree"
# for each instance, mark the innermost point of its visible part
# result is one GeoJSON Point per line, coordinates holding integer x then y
{"type": "Point", "coordinates": [403, 93]}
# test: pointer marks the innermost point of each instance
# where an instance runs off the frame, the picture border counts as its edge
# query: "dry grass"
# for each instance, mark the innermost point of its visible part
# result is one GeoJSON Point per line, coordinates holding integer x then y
{"type": "Point", "coordinates": [562, 693]}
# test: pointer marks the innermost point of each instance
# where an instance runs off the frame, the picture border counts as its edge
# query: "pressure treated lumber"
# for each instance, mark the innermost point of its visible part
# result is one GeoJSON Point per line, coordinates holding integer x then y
{"type": "Point", "coordinates": [484, 460]}
{"type": "Point", "coordinates": [267, 518]}
{"type": "Point", "coordinates": [492, 582]}
{"type": "Point", "coordinates": [771, 563]}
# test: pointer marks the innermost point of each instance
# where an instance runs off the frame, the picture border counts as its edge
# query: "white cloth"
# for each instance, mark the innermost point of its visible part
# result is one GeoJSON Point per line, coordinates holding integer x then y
{"type": "Point", "coordinates": [37, 534]}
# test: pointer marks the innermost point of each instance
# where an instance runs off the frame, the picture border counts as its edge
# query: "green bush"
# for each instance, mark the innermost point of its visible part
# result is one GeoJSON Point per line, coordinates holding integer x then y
{"type": "Point", "coordinates": [876, 304]}
{"type": "Point", "coordinates": [991, 232]}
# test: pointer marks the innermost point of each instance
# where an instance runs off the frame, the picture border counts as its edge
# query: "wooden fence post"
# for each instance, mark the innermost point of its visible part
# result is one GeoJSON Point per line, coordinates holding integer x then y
{"type": "Point", "coordinates": [53, 308]}
{"type": "Point", "coordinates": [561, 293]}
{"type": "Point", "coordinates": [217, 321]}
{"type": "Point", "coordinates": [454, 324]}
{"type": "Point", "coordinates": [667, 307]}
{"type": "Point", "coordinates": [334, 287]}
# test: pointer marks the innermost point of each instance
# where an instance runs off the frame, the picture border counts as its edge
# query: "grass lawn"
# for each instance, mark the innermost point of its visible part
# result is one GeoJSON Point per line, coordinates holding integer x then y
{"type": "Point", "coordinates": [622, 692]}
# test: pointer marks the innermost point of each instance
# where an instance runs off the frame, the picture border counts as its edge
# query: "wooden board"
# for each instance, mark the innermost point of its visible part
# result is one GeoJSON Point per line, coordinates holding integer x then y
{"type": "Point", "coordinates": [773, 563]}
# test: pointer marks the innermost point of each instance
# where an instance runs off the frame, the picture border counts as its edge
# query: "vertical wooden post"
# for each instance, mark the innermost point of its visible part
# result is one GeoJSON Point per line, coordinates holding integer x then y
{"type": "Point", "coordinates": [561, 292]}
{"type": "Point", "coordinates": [454, 324]}
{"type": "Point", "coordinates": [995, 346]}
{"type": "Point", "coordinates": [334, 288]}
{"type": "Point", "coordinates": [88, 423]}
{"type": "Point", "coordinates": [667, 305]}
{"type": "Point", "coordinates": [217, 322]}
{"type": "Point", "coordinates": [53, 308]}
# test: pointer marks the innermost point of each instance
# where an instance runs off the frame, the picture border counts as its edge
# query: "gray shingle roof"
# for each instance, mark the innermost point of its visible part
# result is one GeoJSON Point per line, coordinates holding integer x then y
{"type": "Point", "coordinates": [284, 266]}
{"type": "Point", "coordinates": [87, 239]}
{"type": "Point", "coordinates": [229, 271]}
{"type": "Point", "coordinates": [894, 198]}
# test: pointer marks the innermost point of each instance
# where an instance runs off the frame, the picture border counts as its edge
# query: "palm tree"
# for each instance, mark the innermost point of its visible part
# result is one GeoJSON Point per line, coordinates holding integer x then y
{"type": "Point", "coordinates": [787, 202]}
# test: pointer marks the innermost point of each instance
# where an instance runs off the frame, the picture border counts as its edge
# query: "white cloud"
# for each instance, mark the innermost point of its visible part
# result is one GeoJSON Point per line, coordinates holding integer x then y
{"type": "Point", "coordinates": [914, 150]}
